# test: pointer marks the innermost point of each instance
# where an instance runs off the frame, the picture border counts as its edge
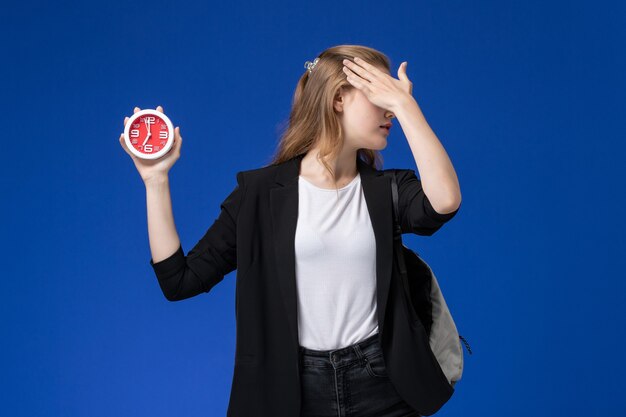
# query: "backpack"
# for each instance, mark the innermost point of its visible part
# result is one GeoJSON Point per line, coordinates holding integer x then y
{"type": "Point", "coordinates": [424, 296]}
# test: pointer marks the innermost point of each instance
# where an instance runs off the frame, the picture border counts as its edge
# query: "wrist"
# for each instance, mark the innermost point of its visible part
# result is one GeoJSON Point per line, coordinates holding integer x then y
{"type": "Point", "coordinates": [156, 180]}
{"type": "Point", "coordinates": [407, 107]}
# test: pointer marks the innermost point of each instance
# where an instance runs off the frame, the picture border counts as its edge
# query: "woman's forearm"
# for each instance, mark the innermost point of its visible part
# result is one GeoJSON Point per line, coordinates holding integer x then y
{"type": "Point", "coordinates": [438, 177]}
{"type": "Point", "coordinates": [164, 240]}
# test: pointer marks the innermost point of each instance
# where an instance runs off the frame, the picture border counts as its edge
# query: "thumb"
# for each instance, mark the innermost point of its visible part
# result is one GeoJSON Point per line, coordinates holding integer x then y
{"type": "Point", "coordinates": [402, 71]}
{"type": "Point", "coordinates": [123, 143]}
{"type": "Point", "coordinates": [179, 138]}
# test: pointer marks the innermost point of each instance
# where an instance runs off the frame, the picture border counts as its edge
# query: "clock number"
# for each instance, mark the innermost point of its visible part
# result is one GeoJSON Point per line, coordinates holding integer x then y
{"type": "Point", "coordinates": [163, 135]}
{"type": "Point", "coordinates": [134, 133]}
{"type": "Point", "coordinates": [147, 148]}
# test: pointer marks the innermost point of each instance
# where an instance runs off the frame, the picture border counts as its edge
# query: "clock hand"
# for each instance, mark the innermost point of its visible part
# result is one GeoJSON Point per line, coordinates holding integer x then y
{"type": "Point", "coordinates": [149, 133]}
{"type": "Point", "coordinates": [147, 137]}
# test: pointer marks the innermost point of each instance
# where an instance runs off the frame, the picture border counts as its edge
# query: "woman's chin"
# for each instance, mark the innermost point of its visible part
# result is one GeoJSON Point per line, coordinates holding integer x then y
{"type": "Point", "coordinates": [381, 145]}
{"type": "Point", "coordinates": [376, 145]}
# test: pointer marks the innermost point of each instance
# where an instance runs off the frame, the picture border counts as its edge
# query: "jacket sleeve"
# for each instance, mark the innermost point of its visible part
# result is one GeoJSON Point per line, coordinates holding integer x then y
{"type": "Point", "coordinates": [416, 213]}
{"type": "Point", "coordinates": [206, 264]}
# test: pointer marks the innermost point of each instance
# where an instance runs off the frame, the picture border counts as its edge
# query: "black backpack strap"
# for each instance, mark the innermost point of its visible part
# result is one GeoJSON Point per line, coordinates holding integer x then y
{"type": "Point", "coordinates": [394, 195]}
{"type": "Point", "coordinates": [397, 235]}
{"type": "Point", "coordinates": [397, 230]}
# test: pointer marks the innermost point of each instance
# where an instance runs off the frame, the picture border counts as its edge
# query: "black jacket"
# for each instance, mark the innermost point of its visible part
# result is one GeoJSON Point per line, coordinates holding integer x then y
{"type": "Point", "coordinates": [254, 233]}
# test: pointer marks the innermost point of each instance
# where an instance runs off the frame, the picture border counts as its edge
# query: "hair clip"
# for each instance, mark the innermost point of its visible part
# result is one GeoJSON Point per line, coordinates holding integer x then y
{"type": "Point", "coordinates": [310, 65]}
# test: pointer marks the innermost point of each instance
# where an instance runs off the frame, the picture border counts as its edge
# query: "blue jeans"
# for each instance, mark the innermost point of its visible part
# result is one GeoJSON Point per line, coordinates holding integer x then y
{"type": "Point", "coordinates": [349, 382]}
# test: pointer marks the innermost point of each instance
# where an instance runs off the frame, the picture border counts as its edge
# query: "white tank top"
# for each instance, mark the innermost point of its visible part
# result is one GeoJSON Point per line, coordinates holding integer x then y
{"type": "Point", "coordinates": [335, 252]}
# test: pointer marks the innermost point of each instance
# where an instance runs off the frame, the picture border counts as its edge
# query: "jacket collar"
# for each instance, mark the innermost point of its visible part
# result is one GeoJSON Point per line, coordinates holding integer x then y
{"type": "Point", "coordinates": [284, 214]}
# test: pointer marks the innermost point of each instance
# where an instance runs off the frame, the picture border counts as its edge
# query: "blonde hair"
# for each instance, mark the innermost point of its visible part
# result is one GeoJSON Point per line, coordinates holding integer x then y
{"type": "Point", "coordinates": [312, 120]}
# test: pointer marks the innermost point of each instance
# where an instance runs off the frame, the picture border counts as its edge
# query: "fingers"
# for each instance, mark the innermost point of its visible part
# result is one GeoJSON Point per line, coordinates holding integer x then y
{"type": "Point", "coordinates": [364, 69]}
{"type": "Point", "coordinates": [355, 71]}
{"type": "Point", "coordinates": [136, 109]}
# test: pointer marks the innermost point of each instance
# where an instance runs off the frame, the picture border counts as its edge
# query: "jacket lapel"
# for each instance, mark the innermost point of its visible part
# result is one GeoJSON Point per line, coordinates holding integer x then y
{"type": "Point", "coordinates": [284, 209]}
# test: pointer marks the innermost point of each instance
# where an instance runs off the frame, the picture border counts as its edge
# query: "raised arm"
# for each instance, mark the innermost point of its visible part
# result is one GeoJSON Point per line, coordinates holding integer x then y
{"type": "Point", "coordinates": [213, 256]}
{"type": "Point", "coordinates": [437, 175]}
{"type": "Point", "coordinates": [206, 264]}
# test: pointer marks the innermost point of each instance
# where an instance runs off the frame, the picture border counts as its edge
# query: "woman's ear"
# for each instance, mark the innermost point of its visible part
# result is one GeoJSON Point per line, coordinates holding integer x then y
{"type": "Point", "coordinates": [340, 99]}
{"type": "Point", "coordinates": [338, 102]}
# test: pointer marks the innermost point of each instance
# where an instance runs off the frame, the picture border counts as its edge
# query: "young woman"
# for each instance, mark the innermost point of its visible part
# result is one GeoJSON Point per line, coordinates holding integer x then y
{"type": "Point", "coordinates": [321, 326]}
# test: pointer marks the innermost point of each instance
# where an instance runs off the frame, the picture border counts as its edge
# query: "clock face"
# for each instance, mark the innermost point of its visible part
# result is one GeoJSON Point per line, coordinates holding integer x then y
{"type": "Point", "coordinates": [149, 134]}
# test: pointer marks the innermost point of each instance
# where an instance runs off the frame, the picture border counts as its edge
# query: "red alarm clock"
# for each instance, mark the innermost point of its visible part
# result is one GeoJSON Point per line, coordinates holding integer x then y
{"type": "Point", "coordinates": [149, 134]}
